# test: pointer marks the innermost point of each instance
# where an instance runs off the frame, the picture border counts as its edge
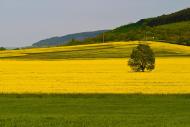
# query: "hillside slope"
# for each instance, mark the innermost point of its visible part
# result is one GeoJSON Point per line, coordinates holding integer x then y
{"type": "Point", "coordinates": [91, 51]}
{"type": "Point", "coordinates": [55, 41]}
{"type": "Point", "coordinates": [172, 28]}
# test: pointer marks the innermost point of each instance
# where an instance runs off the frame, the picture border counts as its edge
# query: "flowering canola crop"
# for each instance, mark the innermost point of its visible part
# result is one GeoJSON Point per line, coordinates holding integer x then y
{"type": "Point", "coordinates": [158, 47]}
{"type": "Point", "coordinates": [94, 76]}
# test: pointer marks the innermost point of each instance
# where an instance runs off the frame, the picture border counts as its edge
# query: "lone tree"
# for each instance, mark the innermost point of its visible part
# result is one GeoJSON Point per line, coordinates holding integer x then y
{"type": "Point", "coordinates": [142, 58]}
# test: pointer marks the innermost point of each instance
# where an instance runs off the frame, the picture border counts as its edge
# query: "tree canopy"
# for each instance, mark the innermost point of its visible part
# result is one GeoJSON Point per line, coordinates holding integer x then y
{"type": "Point", "coordinates": [142, 58]}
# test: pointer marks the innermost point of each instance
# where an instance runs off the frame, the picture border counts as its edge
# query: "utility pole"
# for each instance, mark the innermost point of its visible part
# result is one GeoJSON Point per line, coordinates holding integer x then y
{"type": "Point", "coordinates": [146, 36]}
{"type": "Point", "coordinates": [103, 38]}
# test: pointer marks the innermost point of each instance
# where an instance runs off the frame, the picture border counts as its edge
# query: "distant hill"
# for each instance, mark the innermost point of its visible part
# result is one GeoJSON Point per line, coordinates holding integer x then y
{"type": "Point", "coordinates": [172, 28]}
{"type": "Point", "coordinates": [55, 41]}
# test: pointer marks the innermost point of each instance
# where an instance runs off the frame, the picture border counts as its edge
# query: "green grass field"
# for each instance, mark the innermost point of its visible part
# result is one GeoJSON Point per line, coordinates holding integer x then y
{"type": "Point", "coordinates": [94, 110]}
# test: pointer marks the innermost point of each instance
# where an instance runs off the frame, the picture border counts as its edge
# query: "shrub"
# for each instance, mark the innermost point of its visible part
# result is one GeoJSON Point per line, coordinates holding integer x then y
{"type": "Point", "coordinates": [2, 48]}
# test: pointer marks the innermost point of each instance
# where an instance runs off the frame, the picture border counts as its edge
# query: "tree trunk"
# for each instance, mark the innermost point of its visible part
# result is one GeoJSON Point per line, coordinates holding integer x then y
{"type": "Point", "coordinates": [142, 68]}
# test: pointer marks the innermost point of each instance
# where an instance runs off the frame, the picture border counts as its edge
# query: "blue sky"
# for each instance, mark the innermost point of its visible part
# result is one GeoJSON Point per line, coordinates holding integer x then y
{"type": "Point", "coordinates": [24, 22]}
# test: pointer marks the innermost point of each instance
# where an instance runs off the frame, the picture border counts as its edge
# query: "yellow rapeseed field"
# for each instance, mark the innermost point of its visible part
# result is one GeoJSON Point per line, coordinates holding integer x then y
{"type": "Point", "coordinates": [155, 45]}
{"type": "Point", "coordinates": [172, 75]}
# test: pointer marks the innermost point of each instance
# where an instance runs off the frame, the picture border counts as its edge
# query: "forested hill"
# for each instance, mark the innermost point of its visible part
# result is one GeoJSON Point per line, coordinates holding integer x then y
{"type": "Point", "coordinates": [172, 28]}
{"type": "Point", "coordinates": [183, 15]}
{"type": "Point", "coordinates": [55, 41]}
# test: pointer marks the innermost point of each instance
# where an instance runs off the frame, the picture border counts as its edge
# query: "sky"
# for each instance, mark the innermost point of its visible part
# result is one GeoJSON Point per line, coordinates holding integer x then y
{"type": "Point", "coordinates": [23, 22]}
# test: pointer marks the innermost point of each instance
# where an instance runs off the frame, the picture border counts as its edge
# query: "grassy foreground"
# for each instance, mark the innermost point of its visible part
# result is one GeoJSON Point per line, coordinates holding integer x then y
{"type": "Point", "coordinates": [94, 110]}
